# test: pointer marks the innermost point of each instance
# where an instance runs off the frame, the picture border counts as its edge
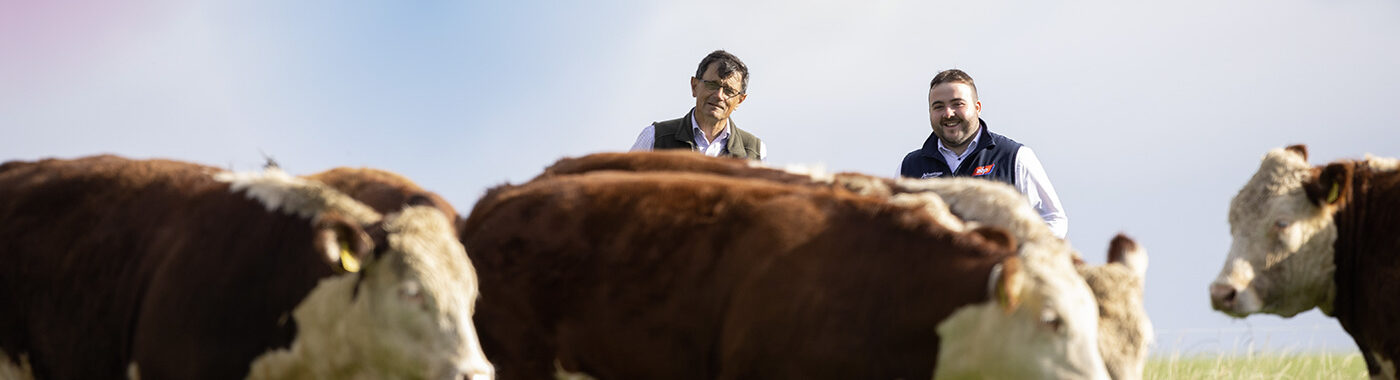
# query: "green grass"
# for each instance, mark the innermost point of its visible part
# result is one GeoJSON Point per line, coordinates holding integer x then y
{"type": "Point", "coordinates": [1258, 366]}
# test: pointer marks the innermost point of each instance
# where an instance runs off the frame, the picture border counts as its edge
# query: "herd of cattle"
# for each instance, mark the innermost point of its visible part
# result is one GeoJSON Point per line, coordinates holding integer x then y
{"type": "Point", "coordinates": [644, 265]}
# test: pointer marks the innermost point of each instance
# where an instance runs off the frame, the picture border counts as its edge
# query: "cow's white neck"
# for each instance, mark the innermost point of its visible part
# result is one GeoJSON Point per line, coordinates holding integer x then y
{"type": "Point", "coordinates": [1382, 164]}
{"type": "Point", "coordinates": [817, 173]}
{"type": "Point", "coordinates": [995, 204]}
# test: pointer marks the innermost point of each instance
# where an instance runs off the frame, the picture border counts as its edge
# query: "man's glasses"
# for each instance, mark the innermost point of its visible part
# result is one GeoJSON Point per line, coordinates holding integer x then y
{"type": "Point", "coordinates": [713, 85]}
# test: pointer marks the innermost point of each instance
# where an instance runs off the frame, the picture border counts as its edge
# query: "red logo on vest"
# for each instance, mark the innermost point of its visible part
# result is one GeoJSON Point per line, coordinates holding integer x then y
{"type": "Point", "coordinates": [983, 170]}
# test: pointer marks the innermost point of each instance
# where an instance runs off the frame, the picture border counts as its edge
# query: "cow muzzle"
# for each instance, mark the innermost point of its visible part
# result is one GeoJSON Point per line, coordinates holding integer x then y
{"type": "Point", "coordinates": [1236, 301]}
{"type": "Point", "coordinates": [479, 374]}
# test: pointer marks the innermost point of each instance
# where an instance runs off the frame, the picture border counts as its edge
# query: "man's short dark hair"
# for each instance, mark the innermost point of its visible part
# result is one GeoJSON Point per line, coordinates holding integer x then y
{"type": "Point", "coordinates": [953, 76]}
{"type": "Point", "coordinates": [728, 64]}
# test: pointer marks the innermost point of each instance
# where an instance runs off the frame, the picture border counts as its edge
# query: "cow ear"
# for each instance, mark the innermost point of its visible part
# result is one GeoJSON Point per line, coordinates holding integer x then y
{"type": "Point", "coordinates": [1331, 186]}
{"type": "Point", "coordinates": [1123, 250]}
{"type": "Point", "coordinates": [420, 200]}
{"type": "Point", "coordinates": [1008, 284]}
{"type": "Point", "coordinates": [342, 243]}
{"type": "Point", "coordinates": [997, 236]}
{"type": "Point", "coordinates": [429, 200]}
{"type": "Point", "coordinates": [1300, 149]}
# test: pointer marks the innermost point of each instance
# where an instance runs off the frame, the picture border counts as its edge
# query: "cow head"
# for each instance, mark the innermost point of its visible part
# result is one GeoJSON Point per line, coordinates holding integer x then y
{"type": "Point", "coordinates": [414, 302]}
{"type": "Point", "coordinates": [1124, 329]}
{"type": "Point", "coordinates": [1041, 324]}
{"type": "Point", "coordinates": [400, 301]}
{"type": "Point", "coordinates": [1280, 261]}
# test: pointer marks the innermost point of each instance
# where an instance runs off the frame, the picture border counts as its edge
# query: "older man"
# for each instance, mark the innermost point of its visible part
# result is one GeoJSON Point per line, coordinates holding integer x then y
{"type": "Point", "coordinates": [720, 84]}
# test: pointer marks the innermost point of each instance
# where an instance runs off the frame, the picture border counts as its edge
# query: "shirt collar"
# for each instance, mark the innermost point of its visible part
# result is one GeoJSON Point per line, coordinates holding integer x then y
{"type": "Point", "coordinates": [970, 145]}
{"type": "Point", "coordinates": [700, 134]}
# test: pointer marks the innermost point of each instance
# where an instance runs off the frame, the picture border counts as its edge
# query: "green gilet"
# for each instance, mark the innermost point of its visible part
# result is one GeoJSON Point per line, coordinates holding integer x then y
{"type": "Point", "coordinates": [678, 134]}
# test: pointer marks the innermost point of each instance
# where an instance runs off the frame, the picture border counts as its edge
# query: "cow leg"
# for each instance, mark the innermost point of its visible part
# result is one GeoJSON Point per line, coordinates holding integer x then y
{"type": "Point", "coordinates": [1379, 365]}
{"type": "Point", "coordinates": [1372, 368]}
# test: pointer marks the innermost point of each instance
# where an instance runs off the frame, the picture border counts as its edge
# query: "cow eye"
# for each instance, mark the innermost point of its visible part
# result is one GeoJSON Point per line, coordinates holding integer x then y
{"type": "Point", "coordinates": [1051, 320]}
{"type": "Point", "coordinates": [1280, 225]}
{"type": "Point", "coordinates": [411, 291]}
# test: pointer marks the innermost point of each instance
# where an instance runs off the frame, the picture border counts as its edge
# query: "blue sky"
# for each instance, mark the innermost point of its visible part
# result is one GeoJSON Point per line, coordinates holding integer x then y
{"type": "Point", "coordinates": [1148, 117]}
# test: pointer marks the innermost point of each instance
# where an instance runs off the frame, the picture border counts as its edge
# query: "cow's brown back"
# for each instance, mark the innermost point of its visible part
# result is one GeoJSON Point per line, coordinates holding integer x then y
{"type": "Point", "coordinates": [689, 275]}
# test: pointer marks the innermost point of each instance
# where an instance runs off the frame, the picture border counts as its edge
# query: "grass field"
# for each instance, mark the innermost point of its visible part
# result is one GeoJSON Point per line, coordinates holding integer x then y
{"type": "Point", "coordinates": [1257, 366]}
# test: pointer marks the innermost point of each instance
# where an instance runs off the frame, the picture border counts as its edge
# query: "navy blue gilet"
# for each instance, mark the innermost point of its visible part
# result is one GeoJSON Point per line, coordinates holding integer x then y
{"type": "Point", "coordinates": [993, 158]}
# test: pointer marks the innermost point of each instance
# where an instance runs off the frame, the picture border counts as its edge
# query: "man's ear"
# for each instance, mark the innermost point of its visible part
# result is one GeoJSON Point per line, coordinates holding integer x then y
{"type": "Point", "coordinates": [342, 243]}
{"type": "Point", "coordinates": [1331, 186]}
{"type": "Point", "coordinates": [694, 82]}
{"type": "Point", "coordinates": [1009, 283]}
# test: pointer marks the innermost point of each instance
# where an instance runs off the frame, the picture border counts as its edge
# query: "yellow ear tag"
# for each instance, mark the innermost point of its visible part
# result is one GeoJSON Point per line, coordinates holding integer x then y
{"type": "Point", "coordinates": [348, 260]}
{"type": "Point", "coordinates": [1332, 194]}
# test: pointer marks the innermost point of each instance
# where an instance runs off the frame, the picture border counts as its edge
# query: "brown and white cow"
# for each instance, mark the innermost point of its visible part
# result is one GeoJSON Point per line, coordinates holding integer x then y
{"type": "Point", "coordinates": [1125, 331]}
{"type": "Point", "coordinates": [158, 269]}
{"type": "Point", "coordinates": [696, 276]}
{"type": "Point", "coordinates": [1319, 237]}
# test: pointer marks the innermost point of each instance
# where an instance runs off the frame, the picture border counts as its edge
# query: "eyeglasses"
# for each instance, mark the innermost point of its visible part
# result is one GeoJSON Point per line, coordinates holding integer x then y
{"type": "Point", "coordinates": [713, 85]}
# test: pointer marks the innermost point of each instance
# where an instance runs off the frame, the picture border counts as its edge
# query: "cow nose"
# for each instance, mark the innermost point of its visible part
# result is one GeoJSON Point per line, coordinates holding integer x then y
{"type": "Point", "coordinates": [1222, 296]}
{"type": "Point", "coordinates": [477, 374]}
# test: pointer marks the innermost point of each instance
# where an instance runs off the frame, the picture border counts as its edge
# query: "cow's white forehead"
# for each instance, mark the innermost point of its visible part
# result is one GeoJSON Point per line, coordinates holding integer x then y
{"type": "Point", "coordinates": [281, 192]}
{"type": "Point", "coordinates": [982, 340]}
{"type": "Point", "coordinates": [1058, 274]}
{"type": "Point", "coordinates": [382, 331]}
{"type": "Point", "coordinates": [1280, 172]}
{"type": "Point", "coordinates": [1054, 284]}
{"type": "Point", "coordinates": [430, 249]}
{"type": "Point", "coordinates": [1281, 175]}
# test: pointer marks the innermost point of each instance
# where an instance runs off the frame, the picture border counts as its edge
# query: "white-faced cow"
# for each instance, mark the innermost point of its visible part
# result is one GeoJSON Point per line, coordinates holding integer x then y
{"type": "Point", "coordinates": [158, 269]}
{"type": "Point", "coordinates": [678, 275]}
{"type": "Point", "coordinates": [1125, 331]}
{"type": "Point", "coordinates": [1319, 237]}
